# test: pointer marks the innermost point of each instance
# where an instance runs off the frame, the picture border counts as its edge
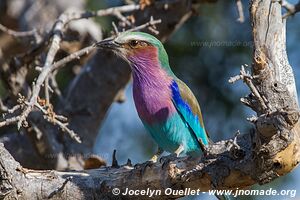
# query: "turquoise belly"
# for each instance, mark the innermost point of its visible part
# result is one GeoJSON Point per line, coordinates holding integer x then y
{"type": "Point", "coordinates": [173, 132]}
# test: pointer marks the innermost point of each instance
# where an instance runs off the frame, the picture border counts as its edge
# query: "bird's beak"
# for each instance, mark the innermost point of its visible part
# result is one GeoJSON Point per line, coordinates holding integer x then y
{"type": "Point", "coordinates": [111, 44]}
{"type": "Point", "coordinates": [108, 44]}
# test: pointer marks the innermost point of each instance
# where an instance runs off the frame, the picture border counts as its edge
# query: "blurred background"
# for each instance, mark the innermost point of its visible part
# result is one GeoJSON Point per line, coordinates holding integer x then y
{"type": "Point", "coordinates": [204, 53]}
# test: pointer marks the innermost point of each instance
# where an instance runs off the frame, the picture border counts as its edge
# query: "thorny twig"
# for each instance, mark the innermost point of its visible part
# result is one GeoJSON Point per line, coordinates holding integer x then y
{"type": "Point", "coordinates": [50, 116]}
{"type": "Point", "coordinates": [247, 78]}
{"type": "Point", "coordinates": [6, 110]}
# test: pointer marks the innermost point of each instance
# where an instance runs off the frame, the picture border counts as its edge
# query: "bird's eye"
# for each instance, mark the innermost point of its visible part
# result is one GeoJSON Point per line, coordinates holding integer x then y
{"type": "Point", "coordinates": [133, 43]}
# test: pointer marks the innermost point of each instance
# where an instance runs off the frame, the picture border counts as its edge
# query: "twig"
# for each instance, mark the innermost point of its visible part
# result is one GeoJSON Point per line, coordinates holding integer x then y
{"type": "Point", "coordinates": [13, 109]}
{"type": "Point", "coordinates": [56, 119]}
{"type": "Point", "coordinates": [71, 57]}
{"type": "Point", "coordinates": [151, 23]}
{"type": "Point", "coordinates": [18, 33]}
{"type": "Point", "coordinates": [116, 31]}
{"type": "Point", "coordinates": [9, 121]}
{"type": "Point", "coordinates": [47, 87]}
{"type": "Point", "coordinates": [122, 18]}
{"type": "Point", "coordinates": [121, 9]}
{"type": "Point", "coordinates": [55, 86]}
{"type": "Point", "coordinates": [3, 108]}
{"type": "Point", "coordinates": [64, 128]}
{"type": "Point", "coordinates": [239, 5]}
{"type": "Point", "coordinates": [247, 78]}
{"type": "Point", "coordinates": [292, 9]}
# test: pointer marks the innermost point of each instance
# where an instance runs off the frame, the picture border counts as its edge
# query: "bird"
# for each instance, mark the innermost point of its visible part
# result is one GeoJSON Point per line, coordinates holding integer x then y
{"type": "Point", "coordinates": [166, 106]}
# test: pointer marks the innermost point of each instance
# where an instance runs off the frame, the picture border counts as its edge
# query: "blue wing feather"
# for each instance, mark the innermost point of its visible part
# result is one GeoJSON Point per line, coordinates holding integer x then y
{"type": "Point", "coordinates": [191, 119]}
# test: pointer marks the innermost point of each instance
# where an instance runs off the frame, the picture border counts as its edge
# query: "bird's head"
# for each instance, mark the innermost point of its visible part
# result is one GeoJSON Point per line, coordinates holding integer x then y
{"type": "Point", "coordinates": [140, 49]}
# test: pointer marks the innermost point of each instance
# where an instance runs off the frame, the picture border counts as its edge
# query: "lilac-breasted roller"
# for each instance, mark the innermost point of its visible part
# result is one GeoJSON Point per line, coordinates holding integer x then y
{"type": "Point", "coordinates": [167, 107]}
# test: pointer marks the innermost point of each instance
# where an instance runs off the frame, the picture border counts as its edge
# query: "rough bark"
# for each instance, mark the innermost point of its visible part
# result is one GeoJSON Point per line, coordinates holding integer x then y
{"type": "Point", "coordinates": [268, 151]}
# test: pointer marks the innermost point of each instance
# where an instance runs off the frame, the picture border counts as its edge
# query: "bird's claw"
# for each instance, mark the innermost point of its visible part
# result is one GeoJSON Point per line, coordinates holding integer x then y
{"type": "Point", "coordinates": [167, 159]}
{"type": "Point", "coordinates": [143, 166]}
{"type": "Point", "coordinates": [154, 158]}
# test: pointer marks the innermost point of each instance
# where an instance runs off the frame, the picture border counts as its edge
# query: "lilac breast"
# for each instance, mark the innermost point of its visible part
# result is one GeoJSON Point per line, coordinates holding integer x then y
{"type": "Point", "coordinates": [152, 95]}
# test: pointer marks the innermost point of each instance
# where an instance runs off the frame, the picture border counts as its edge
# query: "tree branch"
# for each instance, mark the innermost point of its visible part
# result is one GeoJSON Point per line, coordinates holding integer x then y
{"type": "Point", "coordinates": [239, 6]}
{"type": "Point", "coordinates": [18, 33]}
{"type": "Point", "coordinates": [291, 8]}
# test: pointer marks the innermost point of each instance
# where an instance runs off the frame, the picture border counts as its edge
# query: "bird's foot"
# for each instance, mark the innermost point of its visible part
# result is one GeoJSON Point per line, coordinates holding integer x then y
{"type": "Point", "coordinates": [154, 158]}
{"type": "Point", "coordinates": [157, 155]}
{"type": "Point", "coordinates": [143, 166]}
{"type": "Point", "coordinates": [167, 159]}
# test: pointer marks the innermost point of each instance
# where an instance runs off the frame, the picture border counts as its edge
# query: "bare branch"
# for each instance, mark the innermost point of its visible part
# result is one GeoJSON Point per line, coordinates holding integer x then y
{"type": "Point", "coordinates": [56, 120]}
{"type": "Point", "coordinates": [122, 18]}
{"type": "Point", "coordinates": [247, 78]}
{"type": "Point", "coordinates": [10, 121]}
{"type": "Point", "coordinates": [116, 31]}
{"type": "Point", "coordinates": [18, 33]}
{"type": "Point", "coordinates": [75, 55]}
{"type": "Point", "coordinates": [151, 26]}
{"type": "Point", "coordinates": [55, 87]}
{"type": "Point", "coordinates": [292, 9]}
{"type": "Point", "coordinates": [239, 6]}
{"type": "Point", "coordinates": [3, 108]}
